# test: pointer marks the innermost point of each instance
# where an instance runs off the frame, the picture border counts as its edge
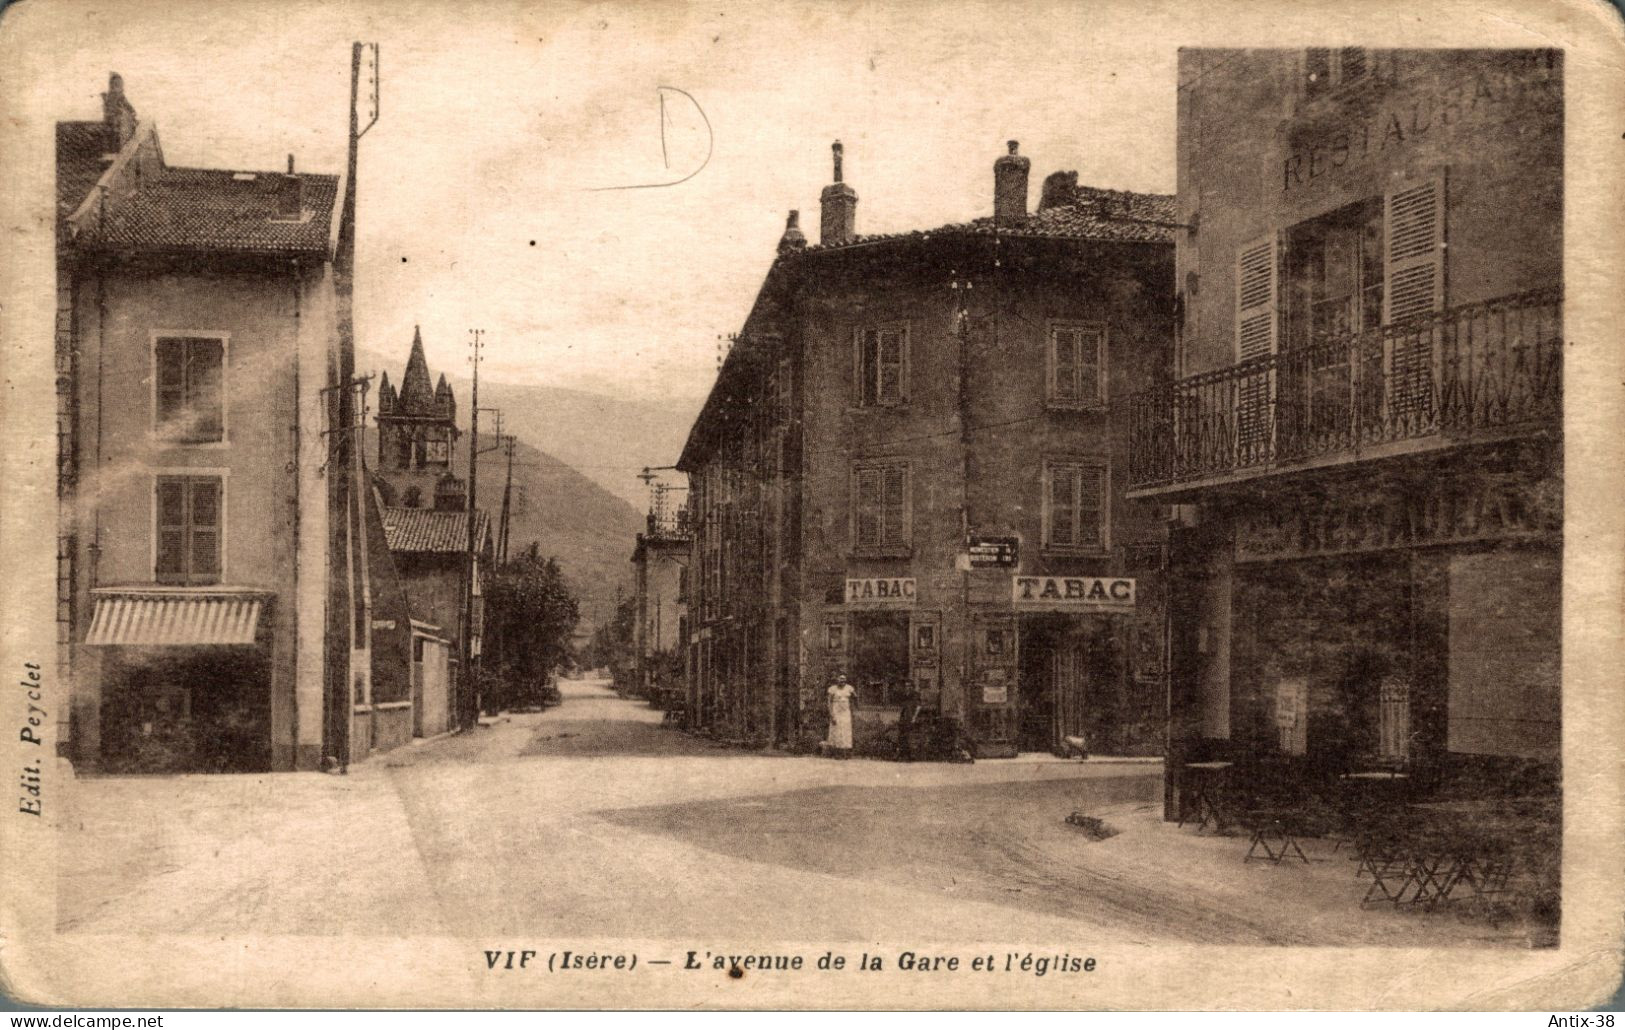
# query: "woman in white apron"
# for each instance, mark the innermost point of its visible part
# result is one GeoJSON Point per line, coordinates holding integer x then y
{"type": "Point", "coordinates": [840, 716]}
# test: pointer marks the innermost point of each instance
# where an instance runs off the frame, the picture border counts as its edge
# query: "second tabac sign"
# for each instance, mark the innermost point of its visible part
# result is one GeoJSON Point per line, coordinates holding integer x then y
{"type": "Point", "coordinates": [1073, 593]}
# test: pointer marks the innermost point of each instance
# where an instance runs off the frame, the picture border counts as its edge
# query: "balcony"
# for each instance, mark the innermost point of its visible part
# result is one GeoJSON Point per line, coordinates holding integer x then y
{"type": "Point", "coordinates": [1473, 373]}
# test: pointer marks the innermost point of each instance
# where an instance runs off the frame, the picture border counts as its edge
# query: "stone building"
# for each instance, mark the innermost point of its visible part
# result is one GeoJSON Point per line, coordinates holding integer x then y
{"type": "Point", "coordinates": [196, 330]}
{"type": "Point", "coordinates": [660, 574]}
{"type": "Point", "coordinates": [910, 470]}
{"type": "Point", "coordinates": [1363, 436]}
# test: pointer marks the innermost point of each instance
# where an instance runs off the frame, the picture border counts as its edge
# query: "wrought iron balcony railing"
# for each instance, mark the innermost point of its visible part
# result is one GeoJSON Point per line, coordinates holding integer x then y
{"type": "Point", "coordinates": [1471, 371]}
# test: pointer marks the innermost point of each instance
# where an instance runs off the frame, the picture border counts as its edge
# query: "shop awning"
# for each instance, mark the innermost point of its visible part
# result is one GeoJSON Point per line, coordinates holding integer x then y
{"type": "Point", "coordinates": [186, 618]}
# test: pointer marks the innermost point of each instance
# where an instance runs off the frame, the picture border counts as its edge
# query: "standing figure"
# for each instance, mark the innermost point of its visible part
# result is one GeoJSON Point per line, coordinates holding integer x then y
{"type": "Point", "coordinates": [840, 716]}
{"type": "Point", "coordinates": [908, 710]}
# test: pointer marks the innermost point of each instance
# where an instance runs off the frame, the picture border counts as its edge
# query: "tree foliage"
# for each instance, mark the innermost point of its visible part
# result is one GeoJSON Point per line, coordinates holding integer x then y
{"type": "Point", "coordinates": [531, 613]}
{"type": "Point", "coordinates": [614, 643]}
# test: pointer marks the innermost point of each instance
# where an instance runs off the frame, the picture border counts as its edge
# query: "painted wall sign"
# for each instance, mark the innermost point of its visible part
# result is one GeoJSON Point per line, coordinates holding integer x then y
{"type": "Point", "coordinates": [1437, 512]}
{"type": "Point", "coordinates": [884, 590]}
{"type": "Point", "coordinates": [1080, 593]}
{"type": "Point", "coordinates": [1405, 120]}
{"type": "Point", "coordinates": [994, 552]}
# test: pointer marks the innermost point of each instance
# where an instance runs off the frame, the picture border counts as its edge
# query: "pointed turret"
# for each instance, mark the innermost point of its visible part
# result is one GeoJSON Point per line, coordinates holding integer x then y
{"type": "Point", "coordinates": [416, 397]}
{"type": "Point", "coordinates": [386, 395]}
{"type": "Point", "coordinates": [445, 406]}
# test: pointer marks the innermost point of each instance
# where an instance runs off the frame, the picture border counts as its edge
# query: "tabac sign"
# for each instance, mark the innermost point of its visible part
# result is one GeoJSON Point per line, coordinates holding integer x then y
{"type": "Point", "coordinates": [881, 591]}
{"type": "Point", "coordinates": [1073, 593]}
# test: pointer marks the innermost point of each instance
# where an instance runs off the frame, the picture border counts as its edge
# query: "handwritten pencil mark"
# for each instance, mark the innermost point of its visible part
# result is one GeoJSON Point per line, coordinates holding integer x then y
{"type": "Point", "coordinates": [710, 144]}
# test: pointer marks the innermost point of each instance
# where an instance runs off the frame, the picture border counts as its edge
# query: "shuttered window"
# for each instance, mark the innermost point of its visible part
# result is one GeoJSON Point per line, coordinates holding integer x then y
{"type": "Point", "coordinates": [188, 383]}
{"type": "Point", "coordinates": [1414, 230]}
{"type": "Point", "coordinates": [1256, 299]}
{"type": "Point", "coordinates": [188, 529]}
{"type": "Point", "coordinates": [1074, 506]}
{"type": "Point", "coordinates": [880, 365]}
{"type": "Point", "coordinates": [881, 513]}
{"type": "Point", "coordinates": [1257, 336]}
{"type": "Point", "coordinates": [1077, 365]}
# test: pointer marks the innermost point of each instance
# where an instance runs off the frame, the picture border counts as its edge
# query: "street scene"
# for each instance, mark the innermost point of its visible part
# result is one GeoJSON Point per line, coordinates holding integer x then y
{"type": "Point", "coordinates": [496, 499]}
{"type": "Point", "coordinates": [591, 820]}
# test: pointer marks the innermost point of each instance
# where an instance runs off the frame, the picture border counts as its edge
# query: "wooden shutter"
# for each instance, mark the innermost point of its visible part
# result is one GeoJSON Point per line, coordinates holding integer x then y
{"type": "Point", "coordinates": [1091, 502]}
{"type": "Point", "coordinates": [171, 529]}
{"type": "Point", "coordinates": [894, 506]}
{"type": "Point", "coordinates": [866, 492]}
{"type": "Point", "coordinates": [1257, 336]}
{"type": "Point", "coordinates": [864, 345]}
{"type": "Point", "coordinates": [170, 358]}
{"type": "Point", "coordinates": [205, 379]}
{"type": "Point", "coordinates": [1061, 508]}
{"type": "Point", "coordinates": [1413, 228]}
{"type": "Point", "coordinates": [204, 518]}
{"type": "Point", "coordinates": [1063, 384]}
{"type": "Point", "coordinates": [891, 365]}
{"type": "Point", "coordinates": [1256, 300]}
{"type": "Point", "coordinates": [1091, 365]}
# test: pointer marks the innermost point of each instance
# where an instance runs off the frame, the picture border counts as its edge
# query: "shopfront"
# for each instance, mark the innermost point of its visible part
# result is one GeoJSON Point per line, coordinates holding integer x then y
{"type": "Point", "coordinates": [185, 681]}
{"type": "Point", "coordinates": [1411, 625]}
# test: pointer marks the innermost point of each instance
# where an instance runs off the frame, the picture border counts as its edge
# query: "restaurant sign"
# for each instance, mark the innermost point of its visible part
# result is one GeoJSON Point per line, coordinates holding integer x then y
{"type": "Point", "coordinates": [887, 591]}
{"type": "Point", "coordinates": [1072, 593]}
{"type": "Point", "coordinates": [1492, 507]}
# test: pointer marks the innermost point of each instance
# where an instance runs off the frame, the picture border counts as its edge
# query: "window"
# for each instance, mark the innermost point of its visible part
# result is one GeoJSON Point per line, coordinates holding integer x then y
{"type": "Point", "coordinates": [881, 365]}
{"type": "Point", "coordinates": [188, 385]}
{"type": "Point", "coordinates": [1327, 68]}
{"type": "Point", "coordinates": [1074, 506]}
{"type": "Point", "coordinates": [439, 450]}
{"type": "Point", "coordinates": [1077, 359]}
{"type": "Point", "coordinates": [880, 508]}
{"type": "Point", "coordinates": [189, 521]}
{"type": "Point", "coordinates": [1334, 272]}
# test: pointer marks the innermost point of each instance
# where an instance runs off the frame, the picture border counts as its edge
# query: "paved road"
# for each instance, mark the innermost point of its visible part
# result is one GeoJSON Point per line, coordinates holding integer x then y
{"type": "Point", "coordinates": [592, 820]}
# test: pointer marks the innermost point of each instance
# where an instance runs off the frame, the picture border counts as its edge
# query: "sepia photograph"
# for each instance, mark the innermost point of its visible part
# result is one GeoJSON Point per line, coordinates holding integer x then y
{"type": "Point", "coordinates": [884, 505]}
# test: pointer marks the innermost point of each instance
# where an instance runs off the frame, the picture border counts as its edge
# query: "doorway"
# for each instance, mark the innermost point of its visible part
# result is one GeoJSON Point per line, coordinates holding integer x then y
{"type": "Point", "coordinates": [1054, 683]}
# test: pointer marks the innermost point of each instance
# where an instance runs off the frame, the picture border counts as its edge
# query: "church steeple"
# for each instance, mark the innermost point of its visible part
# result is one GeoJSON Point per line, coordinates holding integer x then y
{"type": "Point", "coordinates": [416, 396]}
{"type": "Point", "coordinates": [417, 428]}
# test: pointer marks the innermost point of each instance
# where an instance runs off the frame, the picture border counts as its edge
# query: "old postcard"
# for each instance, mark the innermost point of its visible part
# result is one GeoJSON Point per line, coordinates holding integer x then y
{"type": "Point", "coordinates": [817, 506]}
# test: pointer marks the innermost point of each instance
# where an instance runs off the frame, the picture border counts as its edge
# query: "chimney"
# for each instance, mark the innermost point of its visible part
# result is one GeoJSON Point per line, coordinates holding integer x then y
{"type": "Point", "coordinates": [117, 112]}
{"type": "Point", "coordinates": [1010, 187]}
{"type": "Point", "coordinates": [838, 217]}
{"type": "Point", "coordinates": [792, 240]}
{"type": "Point", "coordinates": [1059, 190]}
{"type": "Point", "coordinates": [290, 195]}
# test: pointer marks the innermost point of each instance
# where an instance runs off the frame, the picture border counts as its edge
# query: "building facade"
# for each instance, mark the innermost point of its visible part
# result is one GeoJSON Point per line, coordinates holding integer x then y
{"type": "Point", "coordinates": [660, 577]}
{"type": "Point", "coordinates": [910, 471]}
{"type": "Point", "coordinates": [1363, 439]}
{"type": "Point", "coordinates": [196, 331]}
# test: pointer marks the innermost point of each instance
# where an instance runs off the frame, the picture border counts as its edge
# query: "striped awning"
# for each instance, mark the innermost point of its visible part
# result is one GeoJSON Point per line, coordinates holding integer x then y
{"type": "Point", "coordinates": [189, 618]}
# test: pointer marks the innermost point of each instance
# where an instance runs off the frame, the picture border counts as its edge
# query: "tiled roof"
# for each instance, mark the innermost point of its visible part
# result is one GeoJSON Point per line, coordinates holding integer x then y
{"type": "Point", "coordinates": [1089, 213]}
{"type": "Point", "coordinates": [208, 209]}
{"type": "Point", "coordinates": [425, 529]}
{"type": "Point", "coordinates": [79, 150]}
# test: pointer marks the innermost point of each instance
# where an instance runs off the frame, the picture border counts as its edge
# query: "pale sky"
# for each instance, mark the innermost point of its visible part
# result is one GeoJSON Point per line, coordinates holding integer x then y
{"type": "Point", "coordinates": [497, 119]}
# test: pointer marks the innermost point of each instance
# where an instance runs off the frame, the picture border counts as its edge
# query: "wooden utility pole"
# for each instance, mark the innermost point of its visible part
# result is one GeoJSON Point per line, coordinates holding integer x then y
{"type": "Point", "coordinates": [470, 699]}
{"type": "Point", "coordinates": [343, 472]}
{"type": "Point", "coordinates": [507, 494]}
